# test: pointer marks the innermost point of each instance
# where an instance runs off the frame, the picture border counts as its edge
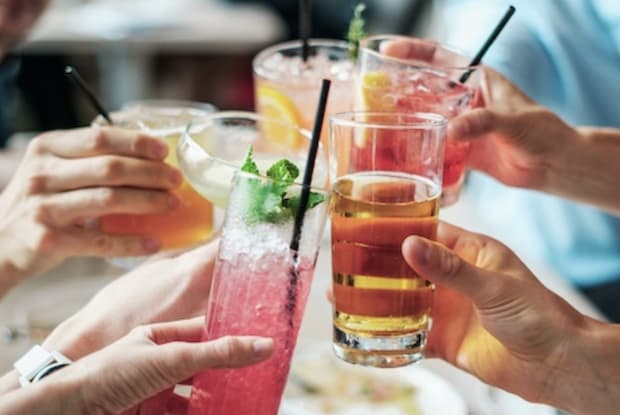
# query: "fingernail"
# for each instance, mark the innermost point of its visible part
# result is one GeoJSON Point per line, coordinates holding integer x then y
{"type": "Point", "coordinates": [173, 202]}
{"type": "Point", "coordinates": [262, 347]}
{"type": "Point", "coordinates": [422, 250]}
{"type": "Point", "coordinates": [150, 245]}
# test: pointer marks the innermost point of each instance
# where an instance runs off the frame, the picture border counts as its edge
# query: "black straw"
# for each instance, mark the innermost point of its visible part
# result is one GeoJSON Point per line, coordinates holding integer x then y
{"type": "Point", "coordinates": [75, 77]}
{"type": "Point", "coordinates": [309, 170]}
{"type": "Point", "coordinates": [485, 47]}
{"type": "Point", "coordinates": [304, 28]}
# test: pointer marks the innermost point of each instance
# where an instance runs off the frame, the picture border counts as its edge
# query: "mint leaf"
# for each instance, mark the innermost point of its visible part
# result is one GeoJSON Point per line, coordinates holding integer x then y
{"type": "Point", "coordinates": [314, 199]}
{"type": "Point", "coordinates": [357, 30]}
{"type": "Point", "coordinates": [266, 200]}
{"type": "Point", "coordinates": [249, 165]}
{"type": "Point", "coordinates": [283, 171]}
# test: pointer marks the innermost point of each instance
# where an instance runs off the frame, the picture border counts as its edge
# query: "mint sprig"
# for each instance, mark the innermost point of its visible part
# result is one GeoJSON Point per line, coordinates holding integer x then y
{"type": "Point", "coordinates": [268, 200]}
{"type": "Point", "coordinates": [357, 30]}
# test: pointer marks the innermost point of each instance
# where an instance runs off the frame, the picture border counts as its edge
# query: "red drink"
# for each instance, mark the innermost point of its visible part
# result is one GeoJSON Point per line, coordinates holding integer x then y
{"type": "Point", "coordinates": [246, 301]}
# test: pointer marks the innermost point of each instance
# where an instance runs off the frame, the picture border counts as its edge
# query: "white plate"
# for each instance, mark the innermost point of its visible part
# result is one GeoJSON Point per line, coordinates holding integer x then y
{"type": "Point", "coordinates": [433, 395]}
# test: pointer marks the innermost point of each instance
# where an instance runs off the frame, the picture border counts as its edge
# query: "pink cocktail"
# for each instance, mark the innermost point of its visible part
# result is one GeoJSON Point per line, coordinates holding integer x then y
{"type": "Point", "coordinates": [400, 74]}
{"type": "Point", "coordinates": [259, 288]}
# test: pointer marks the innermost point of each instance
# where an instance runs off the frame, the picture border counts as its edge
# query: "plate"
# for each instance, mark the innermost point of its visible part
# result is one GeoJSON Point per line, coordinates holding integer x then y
{"type": "Point", "coordinates": [324, 385]}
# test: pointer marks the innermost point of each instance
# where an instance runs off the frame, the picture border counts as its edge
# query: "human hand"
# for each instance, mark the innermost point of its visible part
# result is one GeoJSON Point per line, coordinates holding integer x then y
{"type": "Point", "coordinates": [68, 178]}
{"type": "Point", "coordinates": [158, 291]}
{"type": "Point", "coordinates": [16, 19]}
{"type": "Point", "coordinates": [136, 374]}
{"type": "Point", "coordinates": [494, 319]}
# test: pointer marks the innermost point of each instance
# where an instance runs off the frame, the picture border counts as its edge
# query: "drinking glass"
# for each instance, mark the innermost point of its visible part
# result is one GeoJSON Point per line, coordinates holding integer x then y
{"type": "Point", "coordinates": [287, 88]}
{"type": "Point", "coordinates": [403, 74]}
{"type": "Point", "coordinates": [211, 153]}
{"type": "Point", "coordinates": [260, 287]}
{"type": "Point", "coordinates": [386, 171]}
{"type": "Point", "coordinates": [192, 221]}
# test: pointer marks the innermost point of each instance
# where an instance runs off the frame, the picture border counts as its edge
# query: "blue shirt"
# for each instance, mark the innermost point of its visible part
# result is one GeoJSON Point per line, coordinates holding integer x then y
{"type": "Point", "coordinates": [565, 54]}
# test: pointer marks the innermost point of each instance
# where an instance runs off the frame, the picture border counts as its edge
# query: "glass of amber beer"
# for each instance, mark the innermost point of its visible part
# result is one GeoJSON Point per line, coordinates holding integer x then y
{"type": "Point", "coordinates": [386, 174]}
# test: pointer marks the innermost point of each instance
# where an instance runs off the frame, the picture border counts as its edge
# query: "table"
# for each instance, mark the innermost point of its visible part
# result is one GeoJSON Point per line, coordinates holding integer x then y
{"type": "Point", "coordinates": [125, 35]}
{"type": "Point", "coordinates": [53, 296]}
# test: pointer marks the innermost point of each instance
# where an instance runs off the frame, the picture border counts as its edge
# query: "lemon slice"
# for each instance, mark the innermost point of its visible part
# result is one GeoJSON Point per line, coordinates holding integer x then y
{"type": "Point", "coordinates": [374, 95]}
{"type": "Point", "coordinates": [274, 104]}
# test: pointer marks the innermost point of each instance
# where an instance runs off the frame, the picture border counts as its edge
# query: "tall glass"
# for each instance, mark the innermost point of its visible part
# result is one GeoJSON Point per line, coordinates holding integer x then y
{"type": "Point", "coordinates": [403, 74]}
{"type": "Point", "coordinates": [209, 154]}
{"type": "Point", "coordinates": [288, 88]}
{"type": "Point", "coordinates": [192, 221]}
{"type": "Point", "coordinates": [259, 288]}
{"type": "Point", "coordinates": [386, 171]}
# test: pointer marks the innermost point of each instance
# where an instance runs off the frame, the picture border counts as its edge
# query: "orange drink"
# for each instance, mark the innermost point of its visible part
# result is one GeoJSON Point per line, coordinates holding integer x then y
{"type": "Point", "coordinates": [192, 221]}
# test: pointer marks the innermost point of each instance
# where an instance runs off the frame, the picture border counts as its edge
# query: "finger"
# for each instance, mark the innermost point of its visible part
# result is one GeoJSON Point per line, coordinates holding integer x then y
{"type": "Point", "coordinates": [477, 123]}
{"type": "Point", "coordinates": [67, 208]}
{"type": "Point", "coordinates": [87, 242]}
{"type": "Point", "coordinates": [409, 49]}
{"type": "Point", "coordinates": [186, 359]}
{"type": "Point", "coordinates": [111, 171]}
{"type": "Point", "coordinates": [88, 142]}
{"type": "Point", "coordinates": [440, 265]}
{"type": "Point", "coordinates": [189, 330]}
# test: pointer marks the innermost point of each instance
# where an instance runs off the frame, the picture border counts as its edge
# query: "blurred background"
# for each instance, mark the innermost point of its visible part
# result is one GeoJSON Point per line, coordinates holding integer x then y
{"type": "Point", "coordinates": [175, 49]}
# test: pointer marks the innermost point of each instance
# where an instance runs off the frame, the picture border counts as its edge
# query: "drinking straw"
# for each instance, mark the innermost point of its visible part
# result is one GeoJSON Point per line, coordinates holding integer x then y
{"type": "Point", "coordinates": [304, 28]}
{"type": "Point", "coordinates": [309, 170]}
{"type": "Point", "coordinates": [487, 44]}
{"type": "Point", "coordinates": [75, 77]}
{"type": "Point", "coordinates": [291, 291]}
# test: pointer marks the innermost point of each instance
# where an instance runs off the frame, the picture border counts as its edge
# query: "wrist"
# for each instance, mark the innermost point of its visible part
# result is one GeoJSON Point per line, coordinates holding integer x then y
{"type": "Point", "coordinates": [587, 380]}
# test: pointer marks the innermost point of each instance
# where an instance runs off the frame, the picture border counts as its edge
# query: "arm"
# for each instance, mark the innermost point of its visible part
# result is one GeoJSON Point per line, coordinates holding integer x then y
{"type": "Point", "coordinates": [136, 372]}
{"type": "Point", "coordinates": [494, 319]}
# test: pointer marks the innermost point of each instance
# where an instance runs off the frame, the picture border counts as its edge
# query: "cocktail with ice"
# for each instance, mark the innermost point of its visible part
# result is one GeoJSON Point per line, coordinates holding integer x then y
{"type": "Point", "coordinates": [260, 287]}
{"type": "Point", "coordinates": [287, 88]}
{"type": "Point", "coordinates": [192, 221]}
{"type": "Point", "coordinates": [402, 74]}
{"type": "Point", "coordinates": [380, 197]}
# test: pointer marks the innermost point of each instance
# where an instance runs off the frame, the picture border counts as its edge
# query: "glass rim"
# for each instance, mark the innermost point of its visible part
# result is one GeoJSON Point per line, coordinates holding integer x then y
{"type": "Point", "coordinates": [294, 44]}
{"type": "Point", "coordinates": [426, 120]}
{"type": "Point", "coordinates": [188, 132]}
{"type": "Point", "coordinates": [449, 48]}
{"type": "Point", "coordinates": [170, 104]}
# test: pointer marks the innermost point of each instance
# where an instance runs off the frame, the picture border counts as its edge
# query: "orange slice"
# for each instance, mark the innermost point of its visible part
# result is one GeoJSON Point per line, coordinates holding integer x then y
{"type": "Point", "coordinates": [274, 104]}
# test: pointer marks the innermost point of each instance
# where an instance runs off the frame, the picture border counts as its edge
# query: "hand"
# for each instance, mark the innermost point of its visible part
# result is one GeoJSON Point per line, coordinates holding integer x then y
{"type": "Point", "coordinates": [69, 178]}
{"type": "Point", "coordinates": [513, 139]}
{"type": "Point", "coordinates": [494, 319]}
{"type": "Point", "coordinates": [16, 18]}
{"type": "Point", "coordinates": [158, 291]}
{"type": "Point", "coordinates": [136, 374]}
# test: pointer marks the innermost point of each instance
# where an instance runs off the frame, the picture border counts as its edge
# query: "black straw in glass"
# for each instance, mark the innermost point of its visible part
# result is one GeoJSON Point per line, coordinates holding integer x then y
{"type": "Point", "coordinates": [309, 170]}
{"type": "Point", "coordinates": [304, 27]}
{"type": "Point", "coordinates": [75, 77]}
{"type": "Point", "coordinates": [485, 47]}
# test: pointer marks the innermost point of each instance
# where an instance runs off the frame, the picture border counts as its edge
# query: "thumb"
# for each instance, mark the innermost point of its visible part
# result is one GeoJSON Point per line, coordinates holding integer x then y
{"type": "Point", "coordinates": [436, 263]}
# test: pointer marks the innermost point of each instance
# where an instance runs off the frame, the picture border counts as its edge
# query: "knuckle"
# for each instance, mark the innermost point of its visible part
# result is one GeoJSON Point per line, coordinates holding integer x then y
{"type": "Point", "coordinates": [110, 197]}
{"type": "Point", "coordinates": [41, 212]}
{"type": "Point", "coordinates": [46, 240]}
{"type": "Point", "coordinates": [141, 332]}
{"type": "Point", "coordinates": [113, 168]}
{"type": "Point", "coordinates": [224, 349]}
{"type": "Point", "coordinates": [37, 144]}
{"type": "Point", "coordinates": [451, 264]}
{"type": "Point", "coordinates": [97, 139]}
{"type": "Point", "coordinates": [37, 182]}
{"type": "Point", "coordinates": [141, 144]}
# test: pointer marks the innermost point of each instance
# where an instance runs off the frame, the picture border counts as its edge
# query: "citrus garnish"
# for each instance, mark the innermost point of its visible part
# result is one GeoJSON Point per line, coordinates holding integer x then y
{"type": "Point", "coordinates": [374, 96]}
{"type": "Point", "coordinates": [272, 103]}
